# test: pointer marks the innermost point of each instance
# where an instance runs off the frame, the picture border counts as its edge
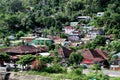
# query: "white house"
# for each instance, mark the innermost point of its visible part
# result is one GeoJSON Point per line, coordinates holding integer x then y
{"type": "Point", "coordinates": [99, 14]}
{"type": "Point", "coordinates": [94, 32]}
{"type": "Point", "coordinates": [115, 64]}
{"type": "Point", "coordinates": [68, 29]}
{"type": "Point", "coordinates": [87, 28]}
{"type": "Point", "coordinates": [85, 40]}
{"type": "Point", "coordinates": [73, 23]}
{"type": "Point", "coordinates": [84, 17]}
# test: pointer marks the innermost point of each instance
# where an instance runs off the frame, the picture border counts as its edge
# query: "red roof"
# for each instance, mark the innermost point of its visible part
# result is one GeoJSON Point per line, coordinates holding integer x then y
{"type": "Point", "coordinates": [93, 55]}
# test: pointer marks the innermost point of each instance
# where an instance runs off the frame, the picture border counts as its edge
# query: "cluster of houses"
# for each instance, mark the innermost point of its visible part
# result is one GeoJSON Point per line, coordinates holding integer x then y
{"type": "Point", "coordinates": [37, 45]}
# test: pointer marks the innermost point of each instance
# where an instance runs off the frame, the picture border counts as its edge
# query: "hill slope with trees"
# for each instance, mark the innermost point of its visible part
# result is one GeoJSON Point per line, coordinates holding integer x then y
{"type": "Point", "coordinates": [26, 15]}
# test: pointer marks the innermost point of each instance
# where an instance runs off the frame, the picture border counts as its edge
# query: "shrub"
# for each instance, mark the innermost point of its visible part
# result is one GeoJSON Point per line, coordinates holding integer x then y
{"type": "Point", "coordinates": [99, 76]}
{"type": "Point", "coordinates": [95, 67]}
{"type": "Point", "coordinates": [16, 69]}
{"type": "Point", "coordinates": [116, 78]}
{"type": "Point", "coordinates": [78, 71]}
{"type": "Point", "coordinates": [20, 34]}
{"type": "Point", "coordinates": [55, 69]}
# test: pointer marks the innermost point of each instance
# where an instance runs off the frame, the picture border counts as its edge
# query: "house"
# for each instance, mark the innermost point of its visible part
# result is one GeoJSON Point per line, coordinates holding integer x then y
{"type": "Point", "coordinates": [85, 40]}
{"type": "Point", "coordinates": [86, 28]}
{"type": "Point", "coordinates": [99, 14]}
{"type": "Point", "coordinates": [27, 40]}
{"type": "Point", "coordinates": [57, 39]}
{"type": "Point", "coordinates": [94, 32]}
{"type": "Point", "coordinates": [63, 52]}
{"type": "Point", "coordinates": [17, 51]}
{"type": "Point", "coordinates": [94, 56]}
{"type": "Point", "coordinates": [44, 54]}
{"type": "Point", "coordinates": [75, 36]}
{"type": "Point", "coordinates": [42, 41]}
{"type": "Point", "coordinates": [115, 62]}
{"type": "Point", "coordinates": [68, 29]}
{"type": "Point", "coordinates": [73, 24]}
{"type": "Point", "coordinates": [11, 37]}
{"type": "Point", "coordinates": [36, 41]}
{"type": "Point", "coordinates": [84, 17]}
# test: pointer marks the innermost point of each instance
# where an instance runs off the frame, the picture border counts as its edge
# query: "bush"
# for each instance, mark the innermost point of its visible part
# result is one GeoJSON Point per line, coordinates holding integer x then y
{"type": "Point", "coordinates": [55, 69]}
{"type": "Point", "coordinates": [116, 78]}
{"type": "Point", "coordinates": [105, 77]}
{"type": "Point", "coordinates": [78, 71]}
{"type": "Point", "coordinates": [95, 67]}
{"type": "Point", "coordinates": [16, 70]}
{"type": "Point", "coordinates": [99, 76]}
{"type": "Point", "coordinates": [20, 34]}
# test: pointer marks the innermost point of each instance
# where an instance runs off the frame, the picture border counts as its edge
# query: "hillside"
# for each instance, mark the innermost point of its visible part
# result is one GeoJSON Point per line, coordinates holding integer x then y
{"type": "Point", "coordinates": [26, 15]}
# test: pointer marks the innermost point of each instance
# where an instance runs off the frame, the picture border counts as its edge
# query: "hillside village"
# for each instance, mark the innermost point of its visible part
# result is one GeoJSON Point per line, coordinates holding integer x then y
{"type": "Point", "coordinates": [60, 37]}
{"type": "Point", "coordinates": [69, 47]}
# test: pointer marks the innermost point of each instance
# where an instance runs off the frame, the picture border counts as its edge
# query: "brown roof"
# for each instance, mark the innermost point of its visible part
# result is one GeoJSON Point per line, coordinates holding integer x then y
{"type": "Point", "coordinates": [103, 54]}
{"type": "Point", "coordinates": [94, 55]}
{"type": "Point", "coordinates": [22, 49]}
{"type": "Point", "coordinates": [68, 27]}
{"type": "Point", "coordinates": [4, 49]}
{"type": "Point", "coordinates": [64, 52]}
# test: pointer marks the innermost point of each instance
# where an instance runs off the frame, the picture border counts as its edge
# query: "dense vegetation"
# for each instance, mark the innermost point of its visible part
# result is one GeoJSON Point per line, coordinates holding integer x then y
{"type": "Point", "coordinates": [26, 15]}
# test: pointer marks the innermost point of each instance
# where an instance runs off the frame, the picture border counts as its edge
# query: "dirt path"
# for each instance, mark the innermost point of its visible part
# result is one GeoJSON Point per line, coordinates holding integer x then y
{"type": "Point", "coordinates": [15, 76]}
{"type": "Point", "coordinates": [110, 73]}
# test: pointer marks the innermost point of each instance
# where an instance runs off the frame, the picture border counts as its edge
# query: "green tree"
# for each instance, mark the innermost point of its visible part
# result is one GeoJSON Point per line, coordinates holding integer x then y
{"type": "Point", "coordinates": [90, 45]}
{"type": "Point", "coordinates": [75, 58]}
{"type": "Point", "coordinates": [114, 46]}
{"type": "Point", "coordinates": [26, 59]}
{"type": "Point", "coordinates": [46, 59]}
{"type": "Point", "coordinates": [7, 41]}
{"type": "Point", "coordinates": [57, 58]}
{"type": "Point", "coordinates": [99, 40]}
{"type": "Point", "coordinates": [4, 57]}
{"type": "Point", "coordinates": [16, 6]}
{"type": "Point", "coordinates": [20, 34]}
{"type": "Point", "coordinates": [63, 35]}
{"type": "Point", "coordinates": [42, 62]}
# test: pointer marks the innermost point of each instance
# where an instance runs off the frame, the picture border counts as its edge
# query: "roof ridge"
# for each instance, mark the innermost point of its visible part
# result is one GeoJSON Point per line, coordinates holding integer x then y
{"type": "Point", "coordinates": [103, 54]}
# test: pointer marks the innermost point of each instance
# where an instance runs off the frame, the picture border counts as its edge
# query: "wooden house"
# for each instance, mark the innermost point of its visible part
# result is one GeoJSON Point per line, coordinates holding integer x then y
{"type": "Point", "coordinates": [93, 56]}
